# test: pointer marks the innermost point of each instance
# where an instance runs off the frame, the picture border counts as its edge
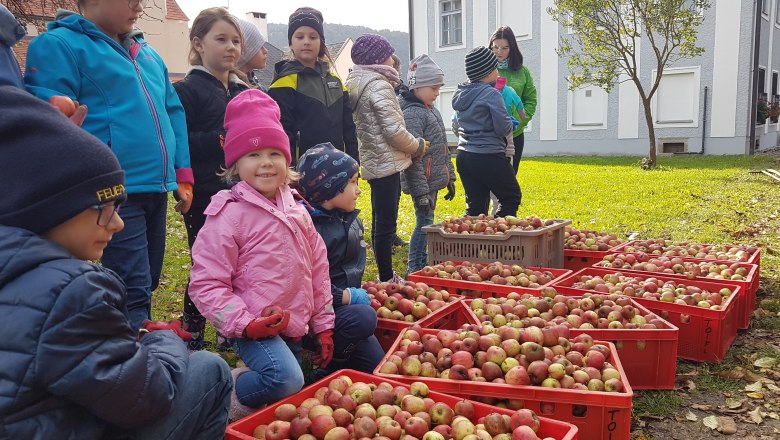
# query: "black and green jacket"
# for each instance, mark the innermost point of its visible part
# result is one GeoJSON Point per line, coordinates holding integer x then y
{"type": "Point", "coordinates": [315, 108]}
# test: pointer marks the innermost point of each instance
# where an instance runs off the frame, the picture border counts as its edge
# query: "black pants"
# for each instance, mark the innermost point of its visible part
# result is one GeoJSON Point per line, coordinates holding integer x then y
{"type": "Point", "coordinates": [519, 144]}
{"type": "Point", "coordinates": [385, 192]}
{"type": "Point", "coordinates": [194, 322]}
{"type": "Point", "coordinates": [482, 174]}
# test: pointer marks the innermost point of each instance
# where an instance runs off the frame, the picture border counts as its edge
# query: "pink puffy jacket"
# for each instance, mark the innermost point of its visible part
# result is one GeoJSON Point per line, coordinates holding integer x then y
{"type": "Point", "coordinates": [251, 254]}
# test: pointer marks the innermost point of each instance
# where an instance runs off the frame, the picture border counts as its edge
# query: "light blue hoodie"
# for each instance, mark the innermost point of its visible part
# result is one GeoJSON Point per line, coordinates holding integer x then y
{"type": "Point", "coordinates": [132, 106]}
{"type": "Point", "coordinates": [483, 121]}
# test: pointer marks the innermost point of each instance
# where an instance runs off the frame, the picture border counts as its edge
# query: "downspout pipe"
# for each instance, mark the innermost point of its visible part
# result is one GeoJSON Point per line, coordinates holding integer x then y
{"type": "Point", "coordinates": [754, 80]}
{"type": "Point", "coordinates": [703, 126]}
{"type": "Point", "coordinates": [411, 30]}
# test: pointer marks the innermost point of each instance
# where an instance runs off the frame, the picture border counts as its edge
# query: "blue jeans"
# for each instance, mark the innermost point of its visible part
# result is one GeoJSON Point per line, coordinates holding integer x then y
{"type": "Point", "coordinates": [136, 252]}
{"type": "Point", "coordinates": [200, 408]}
{"type": "Point", "coordinates": [355, 346]}
{"type": "Point", "coordinates": [275, 373]}
{"type": "Point", "coordinates": [418, 245]}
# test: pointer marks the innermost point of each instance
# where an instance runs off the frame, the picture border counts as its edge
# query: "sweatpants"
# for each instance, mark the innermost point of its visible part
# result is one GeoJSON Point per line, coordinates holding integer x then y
{"type": "Point", "coordinates": [385, 192]}
{"type": "Point", "coordinates": [482, 174]}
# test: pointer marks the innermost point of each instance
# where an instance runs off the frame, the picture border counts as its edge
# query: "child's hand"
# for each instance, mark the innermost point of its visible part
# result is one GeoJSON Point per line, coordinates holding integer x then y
{"type": "Point", "coordinates": [184, 196]}
{"type": "Point", "coordinates": [267, 327]}
{"type": "Point", "coordinates": [174, 326]}
{"type": "Point", "coordinates": [423, 148]}
{"type": "Point", "coordinates": [521, 113]}
{"type": "Point", "coordinates": [358, 296]}
{"type": "Point", "coordinates": [75, 112]}
{"type": "Point", "coordinates": [515, 122]}
{"type": "Point", "coordinates": [325, 355]}
{"type": "Point", "coordinates": [423, 204]}
{"type": "Point", "coordinates": [450, 191]}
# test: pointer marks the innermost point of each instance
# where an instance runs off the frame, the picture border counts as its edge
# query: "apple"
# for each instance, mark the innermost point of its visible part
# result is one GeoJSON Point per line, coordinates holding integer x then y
{"type": "Point", "coordinates": [285, 412]}
{"type": "Point", "coordinates": [364, 427]}
{"type": "Point", "coordinates": [464, 408]}
{"type": "Point", "coordinates": [416, 427]}
{"type": "Point", "coordinates": [299, 426]}
{"type": "Point", "coordinates": [320, 426]}
{"type": "Point", "coordinates": [277, 430]}
{"type": "Point", "coordinates": [441, 413]}
{"type": "Point", "coordinates": [338, 433]}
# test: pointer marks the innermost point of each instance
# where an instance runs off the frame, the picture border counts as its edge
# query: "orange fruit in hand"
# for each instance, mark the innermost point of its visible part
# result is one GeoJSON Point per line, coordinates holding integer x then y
{"type": "Point", "coordinates": [64, 104]}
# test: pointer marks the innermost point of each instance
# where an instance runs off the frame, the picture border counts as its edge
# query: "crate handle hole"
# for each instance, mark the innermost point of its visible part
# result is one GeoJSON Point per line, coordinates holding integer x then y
{"type": "Point", "coordinates": [547, 408]}
{"type": "Point", "coordinates": [579, 411]}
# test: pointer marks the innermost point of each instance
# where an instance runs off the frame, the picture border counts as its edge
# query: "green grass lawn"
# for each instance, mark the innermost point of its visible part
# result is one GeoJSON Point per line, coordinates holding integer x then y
{"type": "Point", "coordinates": [701, 199]}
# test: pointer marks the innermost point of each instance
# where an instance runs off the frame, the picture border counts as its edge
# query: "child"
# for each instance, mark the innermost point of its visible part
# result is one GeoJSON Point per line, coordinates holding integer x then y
{"type": "Point", "coordinates": [483, 127]}
{"type": "Point", "coordinates": [386, 148]}
{"type": "Point", "coordinates": [215, 46]}
{"type": "Point", "coordinates": [100, 61]}
{"type": "Point", "coordinates": [329, 181]}
{"type": "Point", "coordinates": [73, 365]}
{"type": "Point", "coordinates": [514, 106]}
{"type": "Point", "coordinates": [253, 53]}
{"type": "Point", "coordinates": [258, 249]}
{"type": "Point", "coordinates": [433, 171]}
{"type": "Point", "coordinates": [314, 104]}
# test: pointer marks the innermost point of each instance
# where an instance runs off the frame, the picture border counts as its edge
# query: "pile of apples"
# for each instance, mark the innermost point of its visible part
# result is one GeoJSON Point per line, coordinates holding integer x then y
{"type": "Point", "coordinates": [345, 410]}
{"type": "Point", "coordinates": [587, 240]}
{"type": "Point", "coordinates": [408, 301]}
{"type": "Point", "coordinates": [654, 289]}
{"type": "Point", "coordinates": [592, 311]}
{"type": "Point", "coordinates": [670, 248]}
{"type": "Point", "coordinates": [509, 356]}
{"type": "Point", "coordinates": [492, 273]}
{"type": "Point", "coordinates": [676, 266]}
{"type": "Point", "coordinates": [487, 225]}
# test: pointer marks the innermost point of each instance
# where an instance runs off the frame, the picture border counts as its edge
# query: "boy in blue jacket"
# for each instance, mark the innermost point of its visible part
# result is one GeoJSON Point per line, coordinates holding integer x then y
{"type": "Point", "coordinates": [483, 126]}
{"type": "Point", "coordinates": [329, 182]}
{"type": "Point", "coordinates": [72, 364]}
{"type": "Point", "coordinates": [99, 60]}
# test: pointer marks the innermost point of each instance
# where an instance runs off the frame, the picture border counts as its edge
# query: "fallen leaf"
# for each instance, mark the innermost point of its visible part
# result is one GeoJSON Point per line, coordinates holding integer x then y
{"type": "Point", "coordinates": [710, 422]}
{"type": "Point", "coordinates": [690, 385]}
{"type": "Point", "coordinates": [773, 387]}
{"type": "Point", "coordinates": [732, 403]}
{"type": "Point", "coordinates": [765, 362]}
{"type": "Point", "coordinates": [752, 377]}
{"type": "Point", "coordinates": [755, 416]}
{"type": "Point", "coordinates": [755, 395]}
{"type": "Point", "coordinates": [755, 387]}
{"type": "Point", "coordinates": [691, 416]}
{"type": "Point", "coordinates": [733, 374]}
{"type": "Point", "coordinates": [773, 415]}
{"type": "Point", "coordinates": [726, 425]}
{"type": "Point", "coordinates": [701, 407]}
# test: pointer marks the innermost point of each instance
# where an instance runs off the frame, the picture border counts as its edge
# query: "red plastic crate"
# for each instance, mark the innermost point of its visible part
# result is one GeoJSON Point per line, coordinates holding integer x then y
{"type": "Point", "coordinates": [597, 415]}
{"type": "Point", "coordinates": [242, 429]}
{"type": "Point", "coordinates": [450, 317]}
{"type": "Point", "coordinates": [755, 258]}
{"type": "Point", "coordinates": [749, 285]}
{"type": "Point", "coordinates": [473, 289]}
{"type": "Point", "coordinates": [705, 334]}
{"type": "Point", "coordinates": [651, 367]}
{"type": "Point", "coordinates": [574, 259]}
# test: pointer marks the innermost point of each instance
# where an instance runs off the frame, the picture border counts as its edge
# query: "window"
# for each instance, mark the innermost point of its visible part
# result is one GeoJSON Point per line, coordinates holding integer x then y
{"type": "Point", "coordinates": [451, 22]}
{"type": "Point", "coordinates": [676, 102]}
{"type": "Point", "coordinates": [588, 108]}
{"type": "Point", "coordinates": [765, 7]}
{"type": "Point", "coordinates": [774, 84]}
{"type": "Point", "coordinates": [761, 80]}
{"type": "Point", "coordinates": [516, 14]}
{"type": "Point", "coordinates": [777, 12]}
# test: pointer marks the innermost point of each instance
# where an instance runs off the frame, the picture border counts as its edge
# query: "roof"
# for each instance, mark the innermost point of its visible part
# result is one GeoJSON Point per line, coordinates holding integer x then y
{"type": "Point", "coordinates": [174, 12]}
{"type": "Point", "coordinates": [336, 48]}
{"type": "Point", "coordinates": [45, 8]}
{"type": "Point", "coordinates": [266, 76]}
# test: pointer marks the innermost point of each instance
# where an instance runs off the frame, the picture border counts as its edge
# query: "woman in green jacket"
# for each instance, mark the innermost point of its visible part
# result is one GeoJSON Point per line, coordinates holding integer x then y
{"type": "Point", "coordinates": [510, 66]}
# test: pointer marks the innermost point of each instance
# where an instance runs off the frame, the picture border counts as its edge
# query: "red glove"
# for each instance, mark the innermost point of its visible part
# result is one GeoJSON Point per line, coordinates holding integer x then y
{"type": "Point", "coordinates": [174, 326]}
{"type": "Point", "coordinates": [267, 327]}
{"type": "Point", "coordinates": [326, 351]}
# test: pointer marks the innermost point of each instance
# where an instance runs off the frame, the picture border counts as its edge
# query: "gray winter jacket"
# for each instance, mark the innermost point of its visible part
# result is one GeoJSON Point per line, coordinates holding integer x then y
{"type": "Point", "coordinates": [483, 120]}
{"type": "Point", "coordinates": [386, 147]}
{"type": "Point", "coordinates": [434, 170]}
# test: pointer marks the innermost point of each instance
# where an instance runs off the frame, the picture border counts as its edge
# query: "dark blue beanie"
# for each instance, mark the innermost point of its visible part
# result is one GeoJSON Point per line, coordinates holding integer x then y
{"type": "Point", "coordinates": [325, 172]}
{"type": "Point", "coordinates": [50, 169]}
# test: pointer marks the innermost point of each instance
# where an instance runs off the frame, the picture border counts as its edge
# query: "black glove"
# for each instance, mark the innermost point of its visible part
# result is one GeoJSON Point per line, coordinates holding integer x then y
{"type": "Point", "coordinates": [423, 204]}
{"type": "Point", "coordinates": [450, 191]}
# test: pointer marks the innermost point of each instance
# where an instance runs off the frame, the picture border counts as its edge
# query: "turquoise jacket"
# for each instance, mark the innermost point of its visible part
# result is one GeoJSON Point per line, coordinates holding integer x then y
{"type": "Point", "coordinates": [523, 84]}
{"type": "Point", "coordinates": [133, 107]}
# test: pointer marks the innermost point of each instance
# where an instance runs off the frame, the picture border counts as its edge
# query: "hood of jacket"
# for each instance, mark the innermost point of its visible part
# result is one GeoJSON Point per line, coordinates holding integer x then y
{"type": "Point", "coordinates": [22, 251]}
{"type": "Point", "coordinates": [468, 93]}
{"type": "Point", "coordinates": [75, 22]}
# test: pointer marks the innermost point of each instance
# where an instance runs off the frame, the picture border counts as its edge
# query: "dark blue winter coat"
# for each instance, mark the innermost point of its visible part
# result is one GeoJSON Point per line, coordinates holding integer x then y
{"type": "Point", "coordinates": [71, 366]}
{"type": "Point", "coordinates": [342, 233]}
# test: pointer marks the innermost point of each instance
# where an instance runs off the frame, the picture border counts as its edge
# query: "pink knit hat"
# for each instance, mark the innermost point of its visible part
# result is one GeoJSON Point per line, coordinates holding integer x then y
{"type": "Point", "coordinates": [252, 122]}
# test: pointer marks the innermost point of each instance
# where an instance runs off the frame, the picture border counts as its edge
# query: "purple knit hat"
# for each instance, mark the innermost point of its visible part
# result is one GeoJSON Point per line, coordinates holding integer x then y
{"type": "Point", "coordinates": [371, 49]}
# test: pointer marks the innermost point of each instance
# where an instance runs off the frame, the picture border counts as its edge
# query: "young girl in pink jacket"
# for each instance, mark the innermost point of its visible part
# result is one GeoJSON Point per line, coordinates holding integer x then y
{"type": "Point", "coordinates": [258, 249]}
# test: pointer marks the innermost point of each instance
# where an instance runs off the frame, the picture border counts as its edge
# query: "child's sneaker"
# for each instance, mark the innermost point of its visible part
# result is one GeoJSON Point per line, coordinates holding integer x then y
{"type": "Point", "coordinates": [237, 410]}
{"type": "Point", "coordinates": [395, 279]}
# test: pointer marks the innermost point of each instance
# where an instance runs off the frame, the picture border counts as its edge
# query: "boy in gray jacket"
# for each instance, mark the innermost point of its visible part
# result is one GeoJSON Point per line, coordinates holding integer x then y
{"type": "Point", "coordinates": [483, 127]}
{"type": "Point", "coordinates": [433, 171]}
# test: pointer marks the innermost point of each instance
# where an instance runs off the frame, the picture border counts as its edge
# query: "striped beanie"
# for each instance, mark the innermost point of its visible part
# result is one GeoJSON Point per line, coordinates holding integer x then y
{"type": "Point", "coordinates": [480, 62]}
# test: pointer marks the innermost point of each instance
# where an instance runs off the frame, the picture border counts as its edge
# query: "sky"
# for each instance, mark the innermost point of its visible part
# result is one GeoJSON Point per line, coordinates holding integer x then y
{"type": "Point", "coordinates": [394, 14]}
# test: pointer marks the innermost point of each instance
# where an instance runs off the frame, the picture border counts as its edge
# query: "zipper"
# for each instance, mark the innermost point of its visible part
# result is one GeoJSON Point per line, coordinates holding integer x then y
{"type": "Point", "coordinates": [428, 167]}
{"type": "Point", "coordinates": [134, 49]}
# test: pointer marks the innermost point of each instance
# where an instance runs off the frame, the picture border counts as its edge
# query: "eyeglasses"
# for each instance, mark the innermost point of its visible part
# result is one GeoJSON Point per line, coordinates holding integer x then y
{"type": "Point", "coordinates": [106, 212]}
{"type": "Point", "coordinates": [499, 48]}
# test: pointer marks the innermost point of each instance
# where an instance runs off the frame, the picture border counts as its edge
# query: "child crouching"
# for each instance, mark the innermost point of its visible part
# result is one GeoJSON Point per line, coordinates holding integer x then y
{"type": "Point", "coordinates": [257, 249]}
{"type": "Point", "coordinates": [329, 181]}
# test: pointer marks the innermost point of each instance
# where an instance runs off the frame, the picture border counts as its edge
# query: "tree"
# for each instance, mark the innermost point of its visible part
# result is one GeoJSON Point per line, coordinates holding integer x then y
{"type": "Point", "coordinates": [40, 12]}
{"type": "Point", "coordinates": [602, 50]}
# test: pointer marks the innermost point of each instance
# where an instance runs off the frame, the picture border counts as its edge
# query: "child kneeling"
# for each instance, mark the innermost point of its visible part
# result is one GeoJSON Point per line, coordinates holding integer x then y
{"type": "Point", "coordinates": [73, 365]}
{"type": "Point", "coordinates": [258, 249]}
{"type": "Point", "coordinates": [329, 182]}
